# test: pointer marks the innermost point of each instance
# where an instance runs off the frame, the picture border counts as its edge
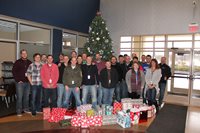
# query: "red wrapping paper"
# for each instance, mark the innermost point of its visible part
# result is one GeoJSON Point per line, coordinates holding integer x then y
{"type": "Point", "coordinates": [46, 113]}
{"type": "Point", "coordinates": [57, 114]}
{"type": "Point", "coordinates": [117, 107]}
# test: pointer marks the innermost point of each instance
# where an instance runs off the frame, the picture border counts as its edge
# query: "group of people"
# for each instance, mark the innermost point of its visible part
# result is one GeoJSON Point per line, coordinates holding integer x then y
{"type": "Point", "coordinates": [80, 79]}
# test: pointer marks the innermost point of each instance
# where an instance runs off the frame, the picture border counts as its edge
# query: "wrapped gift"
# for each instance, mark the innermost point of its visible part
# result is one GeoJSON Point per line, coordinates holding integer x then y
{"type": "Point", "coordinates": [46, 113]}
{"type": "Point", "coordinates": [69, 113]}
{"type": "Point", "coordinates": [117, 107]}
{"type": "Point", "coordinates": [134, 115]}
{"type": "Point", "coordinates": [126, 99]}
{"type": "Point", "coordinates": [90, 112]}
{"type": "Point", "coordinates": [95, 120]}
{"type": "Point", "coordinates": [109, 119]}
{"type": "Point", "coordinates": [84, 122]}
{"type": "Point", "coordinates": [127, 105]}
{"type": "Point", "coordinates": [64, 123]}
{"type": "Point", "coordinates": [143, 114]}
{"type": "Point", "coordinates": [151, 111]}
{"type": "Point", "coordinates": [123, 119]}
{"type": "Point", "coordinates": [76, 121]}
{"type": "Point", "coordinates": [108, 110]}
{"type": "Point", "coordinates": [84, 108]}
{"type": "Point", "coordinates": [99, 111]}
{"type": "Point", "coordinates": [57, 114]}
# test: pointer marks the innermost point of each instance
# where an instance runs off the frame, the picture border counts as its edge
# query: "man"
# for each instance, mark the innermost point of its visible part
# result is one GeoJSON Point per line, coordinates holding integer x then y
{"type": "Point", "coordinates": [109, 79]}
{"type": "Point", "coordinates": [61, 59]}
{"type": "Point", "coordinates": [115, 65]}
{"type": "Point", "coordinates": [100, 65]}
{"type": "Point", "coordinates": [22, 85]}
{"type": "Point", "coordinates": [144, 63]}
{"type": "Point", "coordinates": [166, 73]}
{"type": "Point", "coordinates": [61, 100]}
{"type": "Point", "coordinates": [49, 76]}
{"type": "Point", "coordinates": [72, 79]}
{"type": "Point", "coordinates": [135, 60]}
{"type": "Point", "coordinates": [84, 58]}
{"type": "Point", "coordinates": [33, 74]}
{"type": "Point", "coordinates": [123, 85]}
{"type": "Point", "coordinates": [90, 78]}
{"type": "Point", "coordinates": [43, 58]}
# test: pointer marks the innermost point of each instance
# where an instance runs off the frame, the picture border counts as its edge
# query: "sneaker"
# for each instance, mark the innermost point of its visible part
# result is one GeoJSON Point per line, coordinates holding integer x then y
{"type": "Point", "coordinates": [19, 115]}
{"type": "Point", "coordinates": [39, 112]}
{"type": "Point", "coordinates": [27, 111]}
{"type": "Point", "coordinates": [33, 114]}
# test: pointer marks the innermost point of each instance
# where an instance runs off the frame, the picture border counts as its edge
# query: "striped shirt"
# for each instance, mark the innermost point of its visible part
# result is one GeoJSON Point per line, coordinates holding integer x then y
{"type": "Point", "coordinates": [34, 71]}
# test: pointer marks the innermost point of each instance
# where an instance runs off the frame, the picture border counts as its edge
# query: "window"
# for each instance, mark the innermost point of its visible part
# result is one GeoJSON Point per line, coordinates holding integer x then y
{"type": "Point", "coordinates": [7, 30]}
{"type": "Point", "coordinates": [157, 45]}
{"type": "Point", "coordinates": [69, 43]}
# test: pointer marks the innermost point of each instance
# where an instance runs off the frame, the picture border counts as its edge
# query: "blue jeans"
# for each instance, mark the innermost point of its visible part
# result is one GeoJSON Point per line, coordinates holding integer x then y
{"type": "Point", "coordinates": [162, 87]}
{"type": "Point", "coordinates": [151, 96]}
{"type": "Point", "coordinates": [124, 89]}
{"type": "Point", "coordinates": [108, 95]}
{"type": "Point", "coordinates": [36, 98]}
{"type": "Point", "coordinates": [117, 92]}
{"type": "Point", "coordinates": [93, 91]}
{"type": "Point", "coordinates": [76, 95]}
{"type": "Point", "coordinates": [61, 100]}
{"type": "Point", "coordinates": [99, 95]}
{"type": "Point", "coordinates": [50, 94]}
{"type": "Point", "coordinates": [22, 92]}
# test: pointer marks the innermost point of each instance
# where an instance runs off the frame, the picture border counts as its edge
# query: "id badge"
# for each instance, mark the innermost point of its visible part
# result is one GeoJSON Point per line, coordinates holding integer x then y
{"type": "Point", "coordinates": [26, 74]}
{"type": "Point", "coordinates": [109, 81]}
{"type": "Point", "coordinates": [88, 76]}
{"type": "Point", "coordinates": [50, 81]}
{"type": "Point", "coordinates": [73, 82]}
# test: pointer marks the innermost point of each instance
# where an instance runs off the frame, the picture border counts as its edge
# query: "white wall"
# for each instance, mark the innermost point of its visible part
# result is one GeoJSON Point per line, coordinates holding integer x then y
{"type": "Point", "coordinates": [147, 17]}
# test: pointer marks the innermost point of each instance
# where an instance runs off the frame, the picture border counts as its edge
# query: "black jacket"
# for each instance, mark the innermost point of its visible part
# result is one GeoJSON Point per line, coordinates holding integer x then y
{"type": "Point", "coordinates": [92, 72]}
{"type": "Point", "coordinates": [19, 69]}
{"type": "Point", "coordinates": [119, 71]}
{"type": "Point", "coordinates": [61, 71]}
{"type": "Point", "coordinates": [166, 72]}
{"type": "Point", "coordinates": [104, 78]}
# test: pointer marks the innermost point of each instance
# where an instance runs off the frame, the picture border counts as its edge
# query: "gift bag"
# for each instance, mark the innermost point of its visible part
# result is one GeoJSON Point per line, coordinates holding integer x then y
{"type": "Point", "coordinates": [46, 113]}
{"type": "Point", "coordinates": [135, 116]}
{"type": "Point", "coordinates": [117, 107]}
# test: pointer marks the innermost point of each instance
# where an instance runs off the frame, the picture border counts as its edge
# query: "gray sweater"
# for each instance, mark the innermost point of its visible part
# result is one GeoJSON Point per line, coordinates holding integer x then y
{"type": "Point", "coordinates": [153, 78]}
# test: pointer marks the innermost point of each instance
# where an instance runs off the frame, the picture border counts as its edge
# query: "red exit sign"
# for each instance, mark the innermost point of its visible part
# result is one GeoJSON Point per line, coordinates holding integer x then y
{"type": "Point", "coordinates": [193, 27]}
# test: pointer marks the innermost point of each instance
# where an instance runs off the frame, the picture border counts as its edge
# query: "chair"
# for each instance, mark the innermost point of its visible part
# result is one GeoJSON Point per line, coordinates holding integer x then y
{"type": "Point", "coordinates": [8, 92]}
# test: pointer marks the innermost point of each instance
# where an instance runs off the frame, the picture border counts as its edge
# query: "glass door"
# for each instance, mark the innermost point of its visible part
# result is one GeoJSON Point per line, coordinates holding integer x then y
{"type": "Point", "coordinates": [179, 84]}
{"type": "Point", "coordinates": [195, 79]}
{"type": "Point", "coordinates": [183, 86]}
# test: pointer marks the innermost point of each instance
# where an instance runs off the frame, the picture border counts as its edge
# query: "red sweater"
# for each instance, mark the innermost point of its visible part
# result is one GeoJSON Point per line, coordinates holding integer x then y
{"type": "Point", "coordinates": [49, 75]}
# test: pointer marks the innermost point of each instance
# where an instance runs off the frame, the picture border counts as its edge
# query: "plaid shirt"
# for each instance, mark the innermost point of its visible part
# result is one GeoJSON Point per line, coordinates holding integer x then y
{"type": "Point", "coordinates": [34, 71]}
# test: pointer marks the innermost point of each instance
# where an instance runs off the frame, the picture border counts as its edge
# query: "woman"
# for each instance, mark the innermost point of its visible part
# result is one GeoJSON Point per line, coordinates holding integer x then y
{"type": "Point", "coordinates": [153, 75]}
{"type": "Point", "coordinates": [135, 81]}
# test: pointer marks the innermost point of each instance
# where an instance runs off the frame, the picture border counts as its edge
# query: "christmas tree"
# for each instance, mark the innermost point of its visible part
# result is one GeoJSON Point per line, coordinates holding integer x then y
{"type": "Point", "coordinates": [99, 40]}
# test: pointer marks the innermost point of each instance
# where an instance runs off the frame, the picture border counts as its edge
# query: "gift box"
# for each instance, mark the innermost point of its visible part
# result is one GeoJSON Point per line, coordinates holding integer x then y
{"type": "Point", "coordinates": [98, 111]}
{"type": "Point", "coordinates": [90, 113]}
{"type": "Point", "coordinates": [123, 119]}
{"type": "Point", "coordinates": [95, 120]}
{"type": "Point", "coordinates": [127, 105]}
{"type": "Point", "coordinates": [84, 108]}
{"type": "Point", "coordinates": [76, 121]}
{"type": "Point", "coordinates": [57, 114]}
{"type": "Point", "coordinates": [117, 107]}
{"type": "Point", "coordinates": [143, 114]}
{"type": "Point", "coordinates": [46, 113]}
{"type": "Point", "coordinates": [69, 113]}
{"type": "Point", "coordinates": [108, 110]}
{"type": "Point", "coordinates": [64, 123]}
{"type": "Point", "coordinates": [151, 111]}
{"type": "Point", "coordinates": [134, 115]}
{"type": "Point", "coordinates": [109, 119]}
{"type": "Point", "coordinates": [84, 122]}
